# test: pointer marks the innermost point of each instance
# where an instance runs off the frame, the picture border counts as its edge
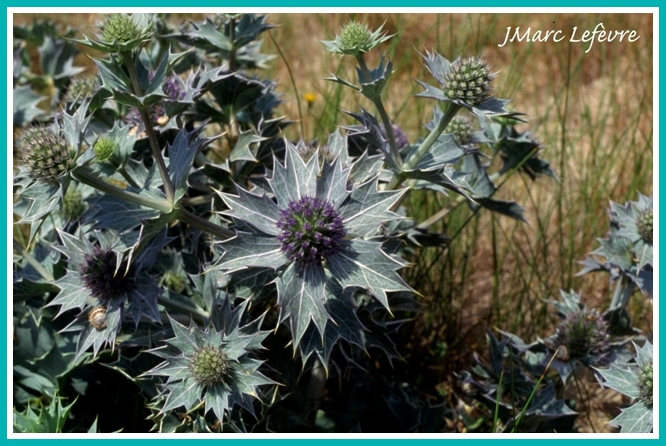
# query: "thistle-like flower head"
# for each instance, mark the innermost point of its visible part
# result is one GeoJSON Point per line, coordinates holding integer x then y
{"type": "Point", "coordinates": [461, 129]}
{"type": "Point", "coordinates": [104, 148]}
{"type": "Point", "coordinates": [356, 38]}
{"type": "Point", "coordinates": [104, 277]}
{"type": "Point", "coordinates": [465, 82]}
{"type": "Point", "coordinates": [121, 33]}
{"type": "Point", "coordinates": [635, 220]}
{"type": "Point", "coordinates": [645, 383]}
{"type": "Point", "coordinates": [583, 333]}
{"type": "Point", "coordinates": [81, 88]}
{"type": "Point", "coordinates": [47, 154]}
{"type": "Point", "coordinates": [212, 365]}
{"type": "Point", "coordinates": [72, 204]}
{"type": "Point", "coordinates": [316, 234]}
{"type": "Point", "coordinates": [120, 28]}
{"type": "Point", "coordinates": [312, 230]}
{"type": "Point", "coordinates": [469, 80]}
{"type": "Point", "coordinates": [644, 225]}
{"type": "Point", "coordinates": [99, 275]}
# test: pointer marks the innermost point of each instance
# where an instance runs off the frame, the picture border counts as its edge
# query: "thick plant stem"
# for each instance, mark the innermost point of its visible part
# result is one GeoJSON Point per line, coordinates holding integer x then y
{"type": "Point", "coordinates": [413, 160]}
{"type": "Point", "coordinates": [46, 275]}
{"type": "Point", "coordinates": [152, 137]}
{"type": "Point", "coordinates": [623, 291]}
{"type": "Point", "coordinates": [200, 223]}
{"type": "Point", "coordinates": [388, 127]}
{"type": "Point", "coordinates": [87, 177]}
{"type": "Point", "coordinates": [196, 314]}
{"type": "Point", "coordinates": [314, 393]}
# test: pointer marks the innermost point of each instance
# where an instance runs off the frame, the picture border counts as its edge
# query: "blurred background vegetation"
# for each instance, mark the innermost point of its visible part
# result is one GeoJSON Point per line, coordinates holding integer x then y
{"type": "Point", "coordinates": [592, 112]}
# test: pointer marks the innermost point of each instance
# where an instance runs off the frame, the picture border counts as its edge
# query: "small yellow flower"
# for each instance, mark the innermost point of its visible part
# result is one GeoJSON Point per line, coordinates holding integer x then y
{"type": "Point", "coordinates": [310, 98]}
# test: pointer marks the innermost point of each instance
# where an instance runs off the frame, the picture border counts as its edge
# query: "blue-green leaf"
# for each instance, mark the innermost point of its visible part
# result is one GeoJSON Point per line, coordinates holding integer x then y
{"type": "Point", "coordinates": [248, 251]}
{"type": "Point", "coordinates": [301, 298]}
{"type": "Point", "coordinates": [363, 264]}
{"type": "Point", "coordinates": [256, 210]}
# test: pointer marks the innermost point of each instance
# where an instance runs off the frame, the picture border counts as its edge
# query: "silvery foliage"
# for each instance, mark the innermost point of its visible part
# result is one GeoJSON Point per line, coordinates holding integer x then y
{"type": "Point", "coordinates": [635, 381]}
{"type": "Point", "coordinates": [194, 244]}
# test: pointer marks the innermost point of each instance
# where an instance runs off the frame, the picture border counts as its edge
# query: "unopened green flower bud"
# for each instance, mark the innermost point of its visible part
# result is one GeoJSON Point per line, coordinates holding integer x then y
{"type": "Point", "coordinates": [47, 154]}
{"type": "Point", "coordinates": [355, 37]}
{"type": "Point", "coordinates": [461, 129]}
{"type": "Point", "coordinates": [175, 280]}
{"type": "Point", "coordinates": [81, 88]}
{"type": "Point", "coordinates": [104, 148]}
{"type": "Point", "coordinates": [120, 28]}
{"type": "Point", "coordinates": [469, 80]}
{"type": "Point", "coordinates": [644, 225]}
{"type": "Point", "coordinates": [72, 204]}
{"type": "Point", "coordinates": [645, 384]}
{"type": "Point", "coordinates": [210, 366]}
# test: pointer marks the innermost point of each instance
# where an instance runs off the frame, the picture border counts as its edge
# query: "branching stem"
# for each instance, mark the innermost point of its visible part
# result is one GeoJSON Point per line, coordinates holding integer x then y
{"type": "Point", "coordinates": [152, 137]}
{"type": "Point", "coordinates": [388, 127]}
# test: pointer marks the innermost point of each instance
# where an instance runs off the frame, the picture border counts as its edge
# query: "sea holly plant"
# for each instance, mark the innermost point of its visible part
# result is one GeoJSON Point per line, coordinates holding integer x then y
{"type": "Point", "coordinates": [318, 235]}
{"type": "Point", "coordinates": [172, 239]}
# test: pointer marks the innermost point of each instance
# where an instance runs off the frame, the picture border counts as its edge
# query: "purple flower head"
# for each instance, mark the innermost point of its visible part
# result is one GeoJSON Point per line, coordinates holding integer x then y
{"type": "Point", "coordinates": [583, 333]}
{"type": "Point", "coordinates": [311, 230]}
{"type": "Point", "coordinates": [102, 278]}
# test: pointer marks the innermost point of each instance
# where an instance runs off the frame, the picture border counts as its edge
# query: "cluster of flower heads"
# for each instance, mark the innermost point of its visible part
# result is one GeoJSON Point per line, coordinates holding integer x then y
{"type": "Point", "coordinates": [312, 230]}
{"type": "Point", "coordinates": [46, 153]}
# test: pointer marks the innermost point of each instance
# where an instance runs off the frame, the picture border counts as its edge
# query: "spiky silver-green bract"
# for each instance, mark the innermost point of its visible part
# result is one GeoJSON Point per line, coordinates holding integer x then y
{"type": "Point", "coordinates": [635, 381]}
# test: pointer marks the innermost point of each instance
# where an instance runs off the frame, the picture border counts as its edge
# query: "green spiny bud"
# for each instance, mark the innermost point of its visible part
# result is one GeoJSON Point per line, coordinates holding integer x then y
{"type": "Point", "coordinates": [469, 81]}
{"type": "Point", "coordinates": [120, 28]}
{"type": "Point", "coordinates": [72, 204]}
{"type": "Point", "coordinates": [645, 384]}
{"type": "Point", "coordinates": [461, 129]}
{"type": "Point", "coordinates": [210, 366]}
{"type": "Point", "coordinates": [81, 88]}
{"type": "Point", "coordinates": [104, 148]}
{"type": "Point", "coordinates": [355, 37]}
{"type": "Point", "coordinates": [175, 280]}
{"type": "Point", "coordinates": [644, 225]}
{"type": "Point", "coordinates": [47, 154]}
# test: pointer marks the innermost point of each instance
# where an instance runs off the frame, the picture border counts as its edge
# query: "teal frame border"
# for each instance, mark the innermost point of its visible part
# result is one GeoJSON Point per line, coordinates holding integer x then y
{"type": "Point", "coordinates": [342, 5]}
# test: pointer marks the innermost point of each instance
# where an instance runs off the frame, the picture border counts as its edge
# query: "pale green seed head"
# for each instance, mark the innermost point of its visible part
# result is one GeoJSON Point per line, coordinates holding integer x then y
{"type": "Point", "coordinates": [72, 204]}
{"type": "Point", "coordinates": [46, 153]}
{"type": "Point", "coordinates": [120, 28]}
{"type": "Point", "coordinates": [355, 37]}
{"type": "Point", "coordinates": [644, 225]}
{"type": "Point", "coordinates": [645, 384]}
{"type": "Point", "coordinates": [104, 148]}
{"type": "Point", "coordinates": [469, 81]}
{"type": "Point", "coordinates": [210, 366]}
